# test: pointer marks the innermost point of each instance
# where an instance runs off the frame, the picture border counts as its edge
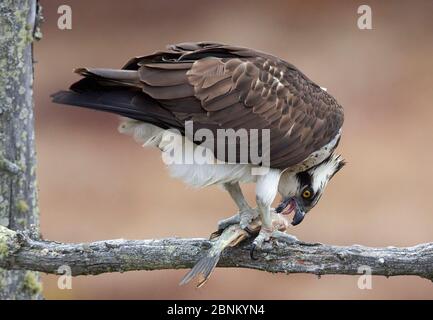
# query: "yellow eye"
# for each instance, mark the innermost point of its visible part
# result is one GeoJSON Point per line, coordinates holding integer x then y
{"type": "Point", "coordinates": [306, 194]}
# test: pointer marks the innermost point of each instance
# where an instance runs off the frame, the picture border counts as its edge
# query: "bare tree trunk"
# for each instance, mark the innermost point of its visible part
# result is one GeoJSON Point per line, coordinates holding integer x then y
{"type": "Point", "coordinates": [18, 190]}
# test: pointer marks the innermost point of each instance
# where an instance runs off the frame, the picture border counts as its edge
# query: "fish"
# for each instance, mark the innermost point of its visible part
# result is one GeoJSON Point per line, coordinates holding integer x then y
{"type": "Point", "coordinates": [229, 237]}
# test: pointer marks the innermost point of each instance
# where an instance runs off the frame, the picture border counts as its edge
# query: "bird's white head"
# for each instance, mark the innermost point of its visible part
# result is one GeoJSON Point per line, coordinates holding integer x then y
{"type": "Point", "coordinates": [301, 191]}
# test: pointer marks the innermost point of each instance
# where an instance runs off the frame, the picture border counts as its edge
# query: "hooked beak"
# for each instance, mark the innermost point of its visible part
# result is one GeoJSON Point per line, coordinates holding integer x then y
{"type": "Point", "coordinates": [290, 204]}
{"type": "Point", "coordinates": [299, 215]}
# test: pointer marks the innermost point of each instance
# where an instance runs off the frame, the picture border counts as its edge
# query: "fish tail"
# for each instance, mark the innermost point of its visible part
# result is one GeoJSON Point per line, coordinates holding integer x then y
{"type": "Point", "coordinates": [202, 269]}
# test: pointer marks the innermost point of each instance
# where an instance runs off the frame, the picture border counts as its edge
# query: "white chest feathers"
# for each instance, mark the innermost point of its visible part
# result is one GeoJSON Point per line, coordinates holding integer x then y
{"type": "Point", "coordinates": [197, 166]}
{"type": "Point", "coordinates": [193, 164]}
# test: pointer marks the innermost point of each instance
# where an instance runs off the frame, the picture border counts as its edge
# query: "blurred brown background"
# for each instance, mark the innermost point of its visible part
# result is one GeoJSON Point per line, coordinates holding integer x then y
{"type": "Point", "coordinates": [96, 184]}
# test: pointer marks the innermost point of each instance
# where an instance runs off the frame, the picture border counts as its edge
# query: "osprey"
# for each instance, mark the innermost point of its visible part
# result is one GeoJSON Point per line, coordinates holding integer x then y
{"type": "Point", "coordinates": [215, 87]}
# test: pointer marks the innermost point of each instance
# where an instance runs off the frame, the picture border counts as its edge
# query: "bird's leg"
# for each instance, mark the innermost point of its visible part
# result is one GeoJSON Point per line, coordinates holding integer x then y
{"type": "Point", "coordinates": [266, 191]}
{"type": "Point", "coordinates": [245, 215]}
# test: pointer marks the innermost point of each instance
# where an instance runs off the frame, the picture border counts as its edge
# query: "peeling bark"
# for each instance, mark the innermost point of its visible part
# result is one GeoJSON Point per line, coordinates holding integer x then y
{"type": "Point", "coordinates": [18, 192]}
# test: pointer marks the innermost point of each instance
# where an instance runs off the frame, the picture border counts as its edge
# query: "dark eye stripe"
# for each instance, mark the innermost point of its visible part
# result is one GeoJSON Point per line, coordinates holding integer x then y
{"type": "Point", "coordinates": [304, 178]}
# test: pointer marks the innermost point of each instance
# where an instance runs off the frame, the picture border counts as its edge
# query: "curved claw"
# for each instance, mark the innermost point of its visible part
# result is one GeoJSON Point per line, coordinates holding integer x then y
{"type": "Point", "coordinates": [252, 250]}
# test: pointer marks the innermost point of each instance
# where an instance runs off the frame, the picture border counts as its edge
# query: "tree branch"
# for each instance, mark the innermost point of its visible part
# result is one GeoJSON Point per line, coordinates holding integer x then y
{"type": "Point", "coordinates": [18, 250]}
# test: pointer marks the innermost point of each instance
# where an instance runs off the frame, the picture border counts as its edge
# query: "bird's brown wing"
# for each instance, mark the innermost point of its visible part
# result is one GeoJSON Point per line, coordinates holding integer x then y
{"type": "Point", "coordinates": [218, 86]}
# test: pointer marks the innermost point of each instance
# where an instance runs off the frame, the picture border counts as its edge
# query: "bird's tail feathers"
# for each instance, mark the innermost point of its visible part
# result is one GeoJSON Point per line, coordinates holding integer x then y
{"type": "Point", "coordinates": [103, 89]}
{"type": "Point", "coordinates": [107, 76]}
{"type": "Point", "coordinates": [113, 91]}
{"type": "Point", "coordinates": [102, 100]}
